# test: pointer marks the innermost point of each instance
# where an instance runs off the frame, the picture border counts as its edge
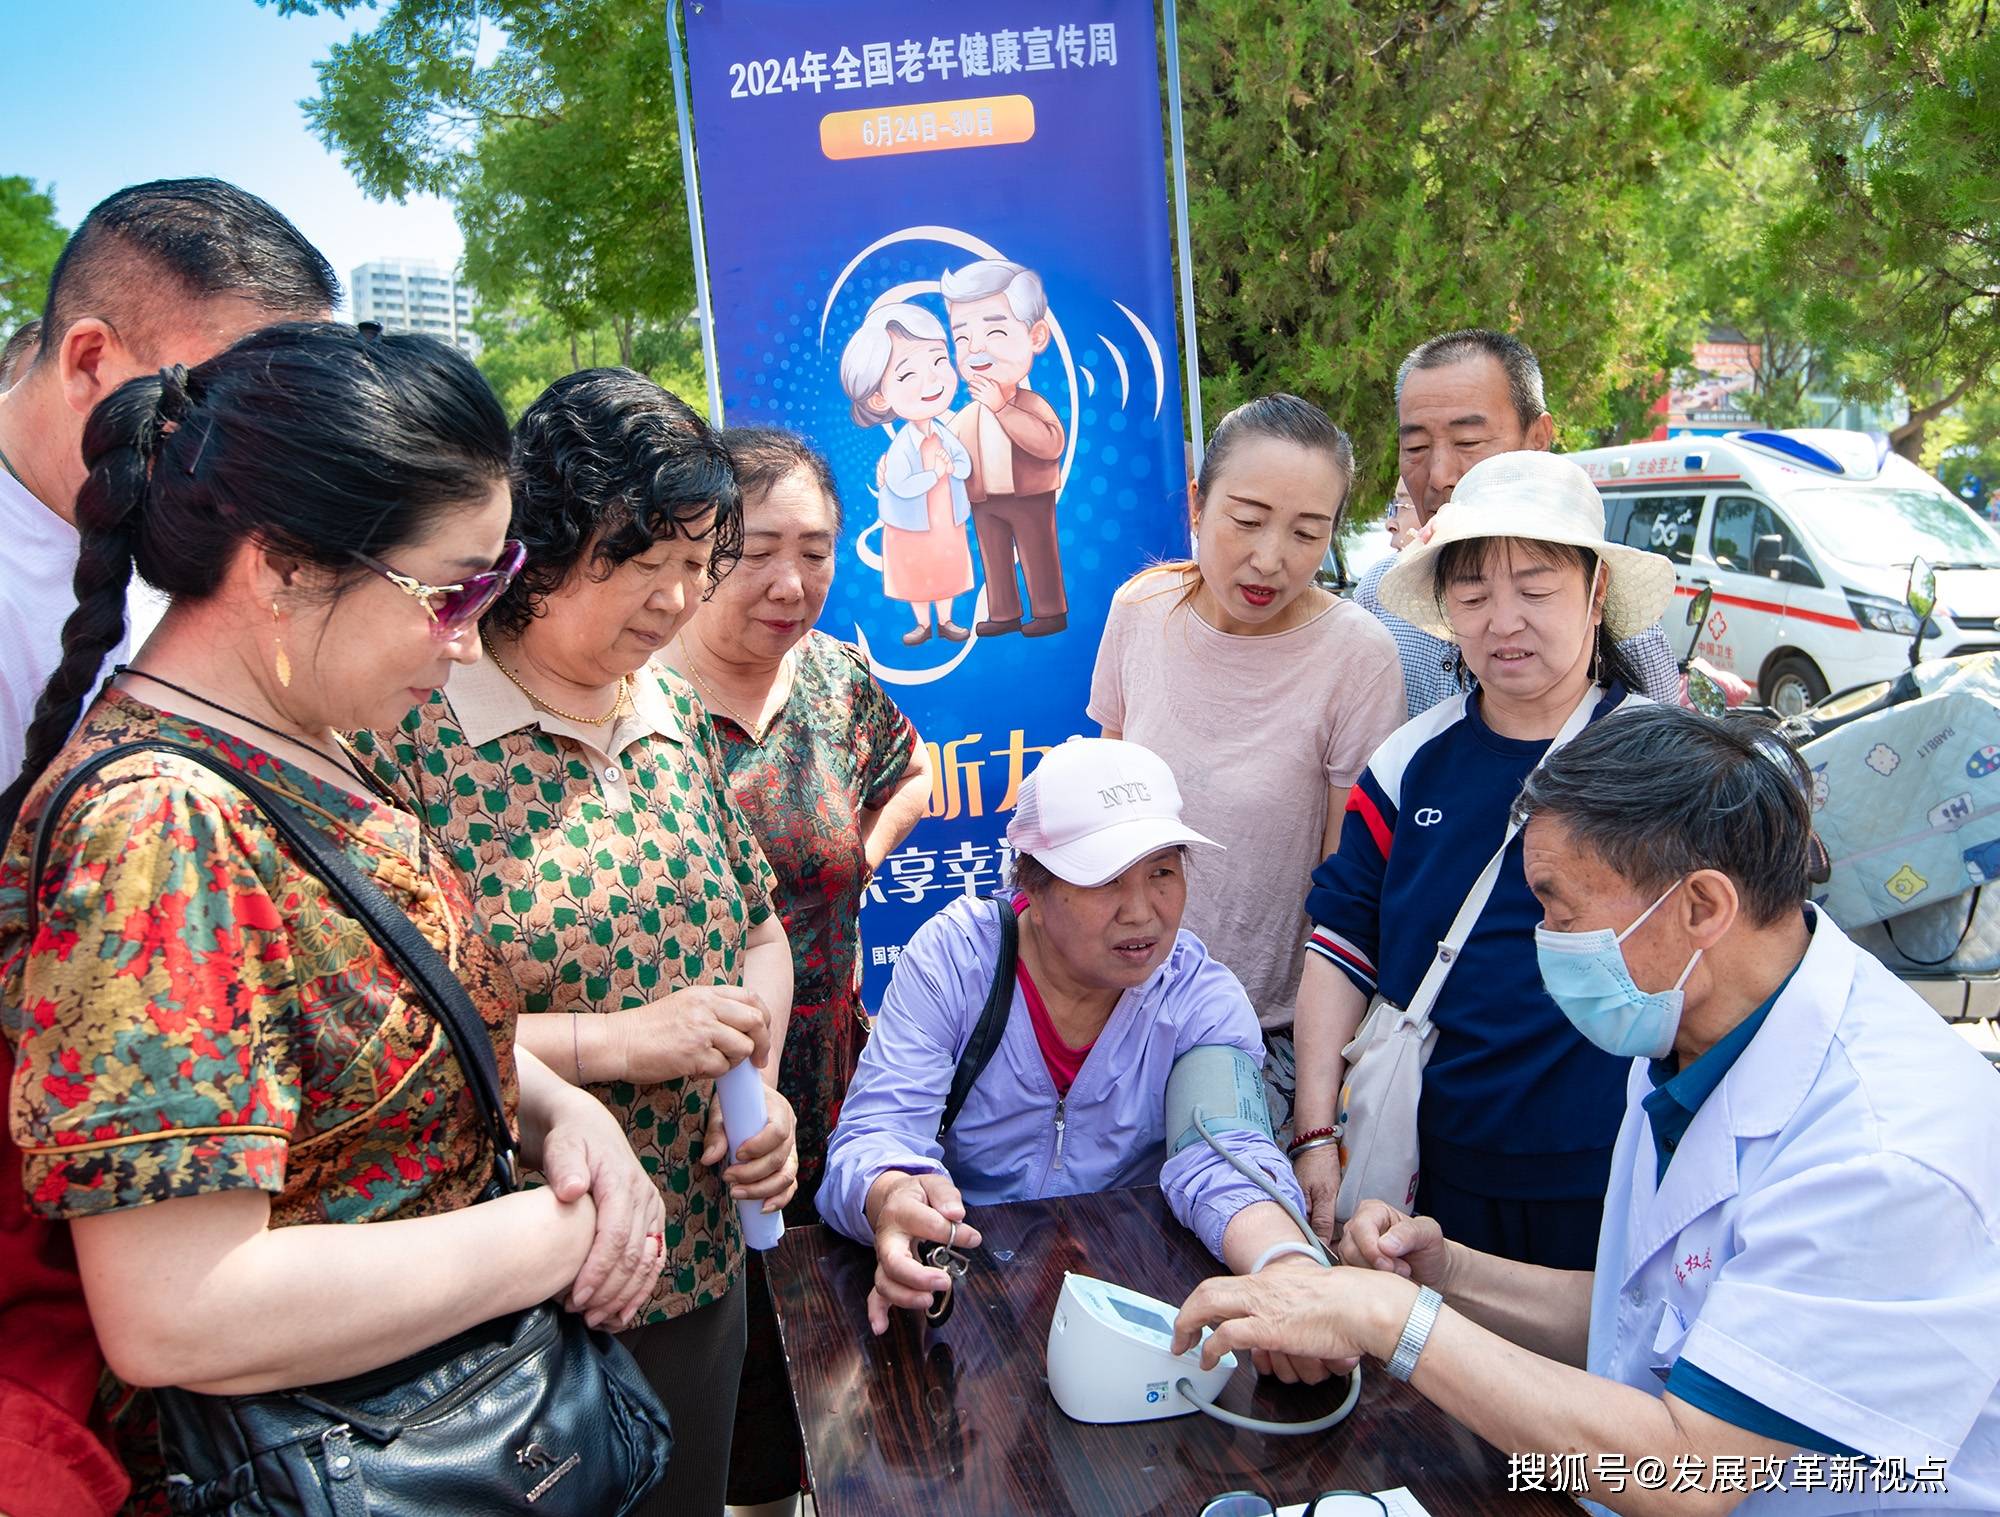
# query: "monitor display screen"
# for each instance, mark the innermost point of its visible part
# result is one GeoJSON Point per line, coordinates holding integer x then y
{"type": "Point", "coordinates": [1142, 1317]}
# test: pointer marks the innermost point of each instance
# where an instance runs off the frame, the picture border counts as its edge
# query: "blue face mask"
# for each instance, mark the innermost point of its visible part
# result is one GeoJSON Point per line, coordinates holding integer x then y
{"type": "Point", "coordinates": [1586, 976]}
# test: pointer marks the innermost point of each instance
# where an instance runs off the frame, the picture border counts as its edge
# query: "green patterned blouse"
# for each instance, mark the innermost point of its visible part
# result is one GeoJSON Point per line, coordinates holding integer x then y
{"type": "Point", "coordinates": [609, 873]}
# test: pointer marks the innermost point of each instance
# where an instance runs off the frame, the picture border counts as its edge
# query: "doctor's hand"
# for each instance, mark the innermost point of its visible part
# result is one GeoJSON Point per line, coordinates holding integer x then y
{"type": "Point", "coordinates": [1380, 1237]}
{"type": "Point", "coordinates": [1297, 1369]}
{"type": "Point", "coordinates": [1318, 1172]}
{"type": "Point", "coordinates": [1331, 1315]}
{"type": "Point", "coordinates": [906, 1209]}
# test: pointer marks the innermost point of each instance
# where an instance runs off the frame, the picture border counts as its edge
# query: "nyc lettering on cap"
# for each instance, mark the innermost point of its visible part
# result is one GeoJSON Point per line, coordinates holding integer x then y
{"type": "Point", "coordinates": [1096, 806]}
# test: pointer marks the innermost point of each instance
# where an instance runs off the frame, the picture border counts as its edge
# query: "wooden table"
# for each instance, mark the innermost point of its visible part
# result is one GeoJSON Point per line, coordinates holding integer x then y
{"type": "Point", "coordinates": [959, 1420]}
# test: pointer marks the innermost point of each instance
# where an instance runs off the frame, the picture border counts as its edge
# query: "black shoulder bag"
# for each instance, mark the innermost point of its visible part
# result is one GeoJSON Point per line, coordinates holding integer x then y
{"type": "Point", "coordinates": [529, 1412]}
{"type": "Point", "coordinates": [985, 1039]}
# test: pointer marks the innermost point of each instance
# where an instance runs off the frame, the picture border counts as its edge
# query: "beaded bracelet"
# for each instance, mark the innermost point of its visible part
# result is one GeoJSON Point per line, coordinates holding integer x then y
{"type": "Point", "coordinates": [1299, 1140]}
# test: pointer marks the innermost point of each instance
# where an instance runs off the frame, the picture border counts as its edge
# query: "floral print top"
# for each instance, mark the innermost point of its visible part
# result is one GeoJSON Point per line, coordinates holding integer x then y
{"type": "Point", "coordinates": [837, 748]}
{"type": "Point", "coordinates": [194, 1014]}
{"type": "Point", "coordinates": [609, 872]}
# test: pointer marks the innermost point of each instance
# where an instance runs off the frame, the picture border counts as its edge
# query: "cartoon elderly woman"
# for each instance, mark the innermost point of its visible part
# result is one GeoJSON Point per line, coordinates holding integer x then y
{"type": "Point", "coordinates": [899, 365]}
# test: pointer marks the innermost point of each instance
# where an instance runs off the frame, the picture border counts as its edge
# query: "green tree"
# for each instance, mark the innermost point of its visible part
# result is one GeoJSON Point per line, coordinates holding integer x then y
{"type": "Point", "coordinates": [1714, 221]}
{"type": "Point", "coordinates": [30, 240]}
{"type": "Point", "coordinates": [1966, 441]}
{"type": "Point", "coordinates": [560, 149]}
{"type": "Point", "coordinates": [1896, 107]}
{"type": "Point", "coordinates": [524, 347]}
{"type": "Point", "coordinates": [1367, 173]}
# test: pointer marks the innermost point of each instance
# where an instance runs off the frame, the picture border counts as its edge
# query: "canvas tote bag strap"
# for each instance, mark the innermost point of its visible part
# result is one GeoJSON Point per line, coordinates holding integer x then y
{"type": "Point", "coordinates": [1453, 944]}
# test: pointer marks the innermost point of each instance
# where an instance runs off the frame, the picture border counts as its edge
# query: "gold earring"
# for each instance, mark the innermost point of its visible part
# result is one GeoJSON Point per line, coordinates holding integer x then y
{"type": "Point", "coordinates": [278, 642]}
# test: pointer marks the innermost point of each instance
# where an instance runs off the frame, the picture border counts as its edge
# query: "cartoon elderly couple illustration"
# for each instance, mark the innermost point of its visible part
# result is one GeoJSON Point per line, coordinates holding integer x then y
{"type": "Point", "coordinates": [996, 462]}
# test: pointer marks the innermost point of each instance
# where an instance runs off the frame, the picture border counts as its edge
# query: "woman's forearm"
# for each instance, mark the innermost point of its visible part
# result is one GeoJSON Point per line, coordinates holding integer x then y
{"type": "Point", "coordinates": [544, 1094]}
{"type": "Point", "coordinates": [882, 829]}
{"type": "Point", "coordinates": [1330, 1009]}
{"type": "Point", "coordinates": [578, 1048]}
{"type": "Point", "coordinates": [202, 1292]}
{"type": "Point", "coordinates": [1253, 1230]}
{"type": "Point", "coordinates": [767, 970]}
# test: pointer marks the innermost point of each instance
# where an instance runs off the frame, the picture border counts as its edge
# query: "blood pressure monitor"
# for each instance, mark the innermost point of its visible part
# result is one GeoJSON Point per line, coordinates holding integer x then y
{"type": "Point", "coordinates": [1111, 1356]}
{"type": "Point", "coordinates": [1111, 1349]}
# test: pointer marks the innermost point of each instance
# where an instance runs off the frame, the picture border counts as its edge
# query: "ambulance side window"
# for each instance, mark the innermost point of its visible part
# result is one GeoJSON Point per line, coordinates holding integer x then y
{"type": "Point", "coordinates": [1661, 524]}
{"type": "Point", "coordinates": [1617, 512]}
{"type": "Point", "coordinates": [1795, 565]}
{"type": "Point", "coordinates": [1734, 536]}
{"type": "Point", "coordinates": [1740, 523]}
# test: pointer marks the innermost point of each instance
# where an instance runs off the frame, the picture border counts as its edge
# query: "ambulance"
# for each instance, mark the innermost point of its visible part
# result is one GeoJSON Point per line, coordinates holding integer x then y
{"type": "Point", "coordinates": [1805, 538]}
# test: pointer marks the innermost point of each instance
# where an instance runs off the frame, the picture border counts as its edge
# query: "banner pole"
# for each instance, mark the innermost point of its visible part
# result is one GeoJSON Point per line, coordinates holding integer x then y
{"type": "Point", "coordinates": [1189, 341]}
{"type": "Point", "coordinates": [693, 188]}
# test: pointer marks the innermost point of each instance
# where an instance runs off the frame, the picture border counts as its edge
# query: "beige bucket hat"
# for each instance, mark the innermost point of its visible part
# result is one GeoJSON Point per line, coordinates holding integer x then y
{"type": "Point", "coordinates": [1542, 497]}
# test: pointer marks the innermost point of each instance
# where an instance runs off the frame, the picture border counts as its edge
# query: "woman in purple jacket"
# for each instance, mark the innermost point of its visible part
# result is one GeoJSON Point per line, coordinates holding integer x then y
{"type": "Point", "coordinates": [1109, 994]}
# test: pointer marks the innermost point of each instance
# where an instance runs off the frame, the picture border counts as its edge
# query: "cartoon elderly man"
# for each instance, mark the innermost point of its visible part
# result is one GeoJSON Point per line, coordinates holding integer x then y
{"type": "Point", "coordinates": [999, 322]}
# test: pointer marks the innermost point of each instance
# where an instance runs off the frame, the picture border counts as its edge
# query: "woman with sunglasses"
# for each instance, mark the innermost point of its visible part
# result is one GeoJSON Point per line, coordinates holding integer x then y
{"type": "Point", "coordinates": [268, 1153]}
{"type": "Point", "coordinates": [581, 793]}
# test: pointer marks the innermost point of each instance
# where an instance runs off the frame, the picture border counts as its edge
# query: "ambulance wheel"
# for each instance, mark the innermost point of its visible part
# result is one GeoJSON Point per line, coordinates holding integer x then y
{"type": "Point", "coordinates": [1793, 685]}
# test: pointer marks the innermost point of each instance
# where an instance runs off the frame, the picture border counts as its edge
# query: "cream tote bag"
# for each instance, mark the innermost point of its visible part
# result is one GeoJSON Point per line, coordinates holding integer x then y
{"type": "Point", "coordinates": [1385, 1062]}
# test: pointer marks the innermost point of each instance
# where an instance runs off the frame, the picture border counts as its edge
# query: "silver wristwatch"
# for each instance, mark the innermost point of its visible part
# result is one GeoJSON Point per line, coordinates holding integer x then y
{"type": "Point", "coordinates": [1416, 1332]}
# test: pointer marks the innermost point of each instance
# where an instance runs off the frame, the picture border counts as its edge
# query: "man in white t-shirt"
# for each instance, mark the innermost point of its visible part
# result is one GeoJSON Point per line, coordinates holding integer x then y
{"type": "Point", "coordinates": [163, 273]}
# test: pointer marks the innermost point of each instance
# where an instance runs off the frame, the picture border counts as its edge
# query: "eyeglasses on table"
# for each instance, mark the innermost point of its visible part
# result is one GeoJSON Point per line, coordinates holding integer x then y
{"type": "Point", "coordinates": [1325, 1504]}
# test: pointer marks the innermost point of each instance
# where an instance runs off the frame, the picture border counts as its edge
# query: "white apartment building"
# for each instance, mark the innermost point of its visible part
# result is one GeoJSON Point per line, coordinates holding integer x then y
{"type": "Point", "coordinates": [414, 295]}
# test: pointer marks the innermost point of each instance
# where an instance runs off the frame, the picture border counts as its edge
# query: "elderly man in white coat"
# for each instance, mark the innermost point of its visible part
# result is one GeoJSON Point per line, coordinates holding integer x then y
{"type": "Point", "coordinates": [1796, 1302]}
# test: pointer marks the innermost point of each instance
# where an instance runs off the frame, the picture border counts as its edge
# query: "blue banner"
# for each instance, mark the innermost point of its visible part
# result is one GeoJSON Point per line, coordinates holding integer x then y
{"type": "Point", "coordinates": [939, 247]}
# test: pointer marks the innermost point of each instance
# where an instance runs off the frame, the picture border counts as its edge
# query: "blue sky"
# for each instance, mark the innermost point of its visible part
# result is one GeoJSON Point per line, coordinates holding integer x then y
{"type": "Point", "coordinates": [96, 94]}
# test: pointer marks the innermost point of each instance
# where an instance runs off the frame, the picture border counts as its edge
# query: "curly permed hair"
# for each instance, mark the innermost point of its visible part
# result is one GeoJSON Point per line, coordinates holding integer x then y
{"type": "Point", "coordinates": [606, 464]}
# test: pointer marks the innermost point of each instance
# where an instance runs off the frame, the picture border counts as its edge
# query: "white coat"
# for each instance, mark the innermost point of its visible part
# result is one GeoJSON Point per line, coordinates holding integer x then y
{"type": "Point", "coordinates": [1826, 1240]}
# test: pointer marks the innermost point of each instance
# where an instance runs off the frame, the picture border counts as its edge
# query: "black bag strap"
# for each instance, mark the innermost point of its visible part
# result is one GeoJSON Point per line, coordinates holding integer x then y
{"type": "Point", "coordinates": [439, 989]}
{"type": "Point", "coordinates": [985, 1039]}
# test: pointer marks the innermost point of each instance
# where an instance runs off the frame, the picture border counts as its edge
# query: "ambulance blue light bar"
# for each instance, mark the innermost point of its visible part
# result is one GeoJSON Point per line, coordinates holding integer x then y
{"type": "Point", "coordinates": [1790, 447]}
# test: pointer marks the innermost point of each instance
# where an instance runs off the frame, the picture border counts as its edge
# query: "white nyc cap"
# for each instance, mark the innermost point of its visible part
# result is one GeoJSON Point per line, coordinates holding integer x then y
{"type": "Point", "coordinates": [1096, 806]}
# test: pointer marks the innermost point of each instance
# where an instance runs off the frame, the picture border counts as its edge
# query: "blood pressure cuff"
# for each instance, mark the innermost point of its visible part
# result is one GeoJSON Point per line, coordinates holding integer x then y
{"type": "Point", "coordinates": [1225, 1085]}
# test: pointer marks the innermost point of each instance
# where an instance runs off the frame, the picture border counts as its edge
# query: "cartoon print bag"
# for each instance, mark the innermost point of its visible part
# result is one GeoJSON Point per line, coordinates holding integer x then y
{"type": "Point", "coordinates": [1907, 799]}
{"type": "Point", "coordinates": [1956, 937]}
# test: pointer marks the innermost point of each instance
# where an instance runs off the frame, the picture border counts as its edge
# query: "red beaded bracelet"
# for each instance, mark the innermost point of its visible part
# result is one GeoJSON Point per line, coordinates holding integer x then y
{"type": "Point", "coordinates": [1302, 1138]}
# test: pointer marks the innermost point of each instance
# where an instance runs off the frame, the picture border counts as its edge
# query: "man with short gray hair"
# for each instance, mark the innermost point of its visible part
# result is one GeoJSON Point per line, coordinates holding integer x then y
{"type": "Point", "coordinates": [1801, 1243]}
{"type": "Point", "coordinates": [1461, 397]}
{"type": "Point", "coordinates": [999, 322]}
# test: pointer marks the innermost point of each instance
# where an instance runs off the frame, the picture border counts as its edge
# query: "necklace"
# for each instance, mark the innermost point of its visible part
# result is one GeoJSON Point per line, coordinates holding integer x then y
{"type": "Point", "coordinates": [367, 781]}
{"type": "Point", "coordinates": [8, 464]}
{"type": "Point", "coordinates": [617, 700]}
{"type": "Point", "coordinates": [709, 692]}
{"type": "Point", "coordinates": [339, 761]}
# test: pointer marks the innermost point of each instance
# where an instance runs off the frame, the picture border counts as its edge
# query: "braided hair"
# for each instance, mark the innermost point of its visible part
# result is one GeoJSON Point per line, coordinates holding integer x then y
{"type": "Point", "coordinates": [317, 440]}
